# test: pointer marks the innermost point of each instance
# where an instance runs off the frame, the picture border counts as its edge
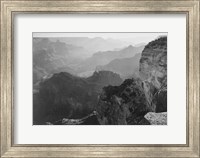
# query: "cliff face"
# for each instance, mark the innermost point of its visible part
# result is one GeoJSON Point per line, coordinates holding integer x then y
{"type": "Point", "coordinates": [153, 62]}
{"type": "Point", "coordinates": [153, 71]}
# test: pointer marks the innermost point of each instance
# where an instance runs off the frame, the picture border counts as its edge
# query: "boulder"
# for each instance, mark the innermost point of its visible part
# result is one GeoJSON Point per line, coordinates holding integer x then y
{"type": "Point", "coordinates": [157, 118]}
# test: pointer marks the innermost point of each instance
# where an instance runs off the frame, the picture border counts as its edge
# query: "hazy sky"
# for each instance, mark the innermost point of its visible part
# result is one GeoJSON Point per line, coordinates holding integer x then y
{"type": "Point", "coordinates": [130, 37]}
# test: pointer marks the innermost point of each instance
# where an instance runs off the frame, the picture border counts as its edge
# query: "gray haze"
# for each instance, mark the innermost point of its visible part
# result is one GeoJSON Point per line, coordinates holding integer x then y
{"type": "Point", "coordinates": [81, 54]}
{"type": "Point", "coordinates": [129, 35]}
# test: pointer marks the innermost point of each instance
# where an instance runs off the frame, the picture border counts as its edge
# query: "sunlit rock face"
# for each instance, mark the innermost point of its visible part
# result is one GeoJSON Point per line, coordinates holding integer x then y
{"type": "Point", "coordinates": [153, 71]}
{"type": "Point", "coordinates": [153, 62]}
{"type": "Point", "coordinates": [157, 118]}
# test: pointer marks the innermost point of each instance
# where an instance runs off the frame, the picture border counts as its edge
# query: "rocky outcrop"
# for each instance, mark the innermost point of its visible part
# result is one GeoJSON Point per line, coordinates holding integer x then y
{"type": "Point", "coordinates": [153, 71]}
{"type": "Point", "coordinates": [157, 118]}
{"type": "Point", "coordinates": [124, 104]}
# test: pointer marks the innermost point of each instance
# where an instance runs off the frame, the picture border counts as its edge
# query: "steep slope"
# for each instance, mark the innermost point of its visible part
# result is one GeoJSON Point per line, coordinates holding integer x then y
{"type": "Point", "coordinates": [124, 67]}
{"type": "Point", "coordinates": [66, 96]}
{"type": "Point", "coordinates": [153, 70]}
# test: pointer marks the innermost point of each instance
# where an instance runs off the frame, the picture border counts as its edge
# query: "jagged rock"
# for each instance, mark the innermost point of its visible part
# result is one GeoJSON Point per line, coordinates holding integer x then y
{"type": "Point", "coordinates": [124, 104]}
{"type": "Point", "coordinates": [157, 118]}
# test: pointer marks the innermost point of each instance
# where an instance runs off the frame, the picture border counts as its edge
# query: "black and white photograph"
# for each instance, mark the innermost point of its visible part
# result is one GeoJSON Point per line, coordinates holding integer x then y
{"type": "Point", "coordinates": [99, 78]}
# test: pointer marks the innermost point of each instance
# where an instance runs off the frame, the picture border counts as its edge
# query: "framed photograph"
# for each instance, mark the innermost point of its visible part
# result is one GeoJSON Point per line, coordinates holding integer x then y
{"type": "Point", "coordinates": [99, 78]}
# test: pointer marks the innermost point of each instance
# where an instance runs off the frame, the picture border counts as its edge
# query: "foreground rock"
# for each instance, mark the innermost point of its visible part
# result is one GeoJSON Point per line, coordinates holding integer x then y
{"type": "Point", "coordinates": [157, 118]}
{"type": "Point", "coordinates": [124, 104]}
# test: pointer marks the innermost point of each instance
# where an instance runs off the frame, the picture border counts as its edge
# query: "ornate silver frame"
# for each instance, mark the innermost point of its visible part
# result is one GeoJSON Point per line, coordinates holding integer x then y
{"type": "Point", "coordinates": [11, 7]}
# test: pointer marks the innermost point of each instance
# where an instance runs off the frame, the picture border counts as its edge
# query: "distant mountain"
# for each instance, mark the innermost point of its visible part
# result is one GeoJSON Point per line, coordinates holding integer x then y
{"type": "Point", "coordinates": [53, 57]}
{"type": "Point", "coordinates": [140, 44]}
{"type": "Point", "coordinates": [103, 58]}
{"type": "Point", "coordinates": [38, 73]}
{"type": "Point", "coordinates": [46, 62]}
{"type": "Point", "coordinates": [124, 66]}
{"type": "Point", "coordinates": [101, 78]}
{"type": "Point", "coordinates": [93, 44]}
{"type": "Point", "coordinates": [66, 96]}
{"type": "Point", "coordinates": [59, 48]}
